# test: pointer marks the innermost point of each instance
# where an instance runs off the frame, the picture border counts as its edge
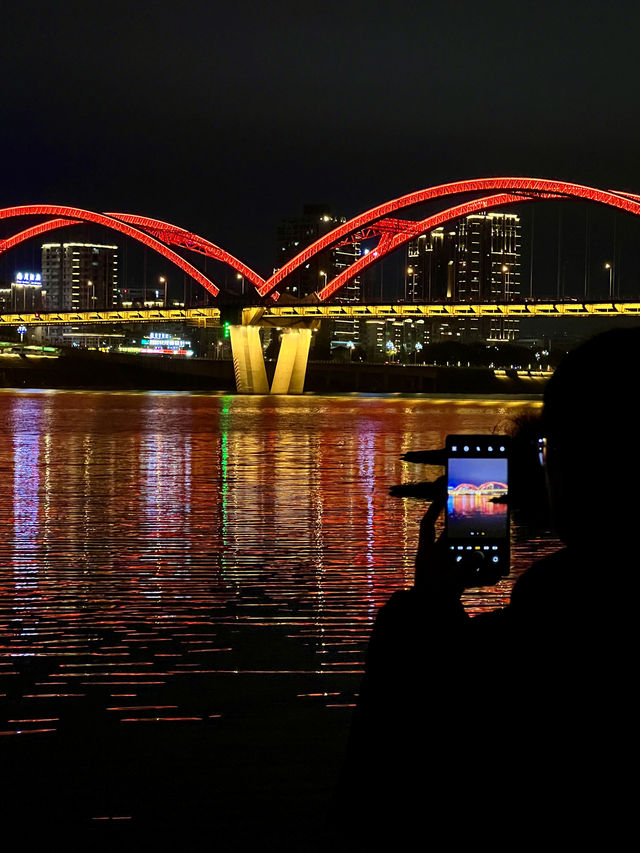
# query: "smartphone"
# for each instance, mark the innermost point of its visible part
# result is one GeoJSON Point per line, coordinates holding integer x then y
{"type": "Point", "coordinates": [477, 524]}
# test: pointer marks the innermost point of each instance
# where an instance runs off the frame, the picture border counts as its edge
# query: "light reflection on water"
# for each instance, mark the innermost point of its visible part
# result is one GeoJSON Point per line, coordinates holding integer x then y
{"type": "Point", "coordinates": [146, 536]}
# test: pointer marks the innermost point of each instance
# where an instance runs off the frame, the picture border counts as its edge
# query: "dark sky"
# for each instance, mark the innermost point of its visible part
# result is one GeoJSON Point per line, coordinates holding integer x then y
{"type": "Point", "coordinates": [223, 118]}
{"type": "Point", "coordinates": [476, 471]}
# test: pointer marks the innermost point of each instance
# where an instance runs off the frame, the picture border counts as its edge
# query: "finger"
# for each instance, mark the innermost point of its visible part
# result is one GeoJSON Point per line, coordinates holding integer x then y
{"type": "Point", "coordinates": [428, 522]}
{"type": "Point", "coordinates": [426, 541]}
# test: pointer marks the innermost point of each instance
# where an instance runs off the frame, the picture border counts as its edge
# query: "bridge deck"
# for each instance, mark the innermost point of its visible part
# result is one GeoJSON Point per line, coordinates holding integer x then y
{"type": "Point", "coordinates": [401, 310]}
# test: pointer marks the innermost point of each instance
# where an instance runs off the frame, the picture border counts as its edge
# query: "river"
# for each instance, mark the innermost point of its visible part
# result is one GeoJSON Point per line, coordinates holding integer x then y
{"type": "Point", "coordinates": [183, 562]}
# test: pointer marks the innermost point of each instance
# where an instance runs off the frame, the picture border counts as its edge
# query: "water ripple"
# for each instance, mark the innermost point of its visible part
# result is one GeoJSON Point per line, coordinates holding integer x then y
{"type": "Point", "coordinates": [154, 540]}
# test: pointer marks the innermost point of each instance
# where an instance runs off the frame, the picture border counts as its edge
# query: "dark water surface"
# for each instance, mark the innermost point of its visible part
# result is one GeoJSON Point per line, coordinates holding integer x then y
{"type": "Point", "coordinates": [187, 583]}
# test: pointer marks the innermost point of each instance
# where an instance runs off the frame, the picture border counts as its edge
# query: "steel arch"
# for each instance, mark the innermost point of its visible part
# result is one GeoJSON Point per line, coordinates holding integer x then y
{"type": "Point", "coordinates": [176, 236]}
{"type": "Point", "coordinates": [35, 231]}
{"type": "Point", "coordinates": [77, 213]}
{"type": "Point", "coordinates": [386, 246]}
{"type": "Point", "coordinates": [525, 186]}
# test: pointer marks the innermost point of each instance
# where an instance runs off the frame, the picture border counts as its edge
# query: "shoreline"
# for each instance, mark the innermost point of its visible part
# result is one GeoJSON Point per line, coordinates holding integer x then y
{"type": "Point", "coordinates": [90, 370]}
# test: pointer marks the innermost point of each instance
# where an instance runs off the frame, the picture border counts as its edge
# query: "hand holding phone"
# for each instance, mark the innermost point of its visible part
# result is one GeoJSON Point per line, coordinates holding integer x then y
{"type": "Point", "coordinates": [474, 548]}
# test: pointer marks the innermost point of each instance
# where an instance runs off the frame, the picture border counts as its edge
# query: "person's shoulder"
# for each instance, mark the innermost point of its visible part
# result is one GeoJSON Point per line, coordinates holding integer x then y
{"type": "Point", "coordinates": [410, 617]}
{"type": "Point", "coordinates": [554, 571]}
{"type": "Point", "coordinates": [412, 600]}
{"type": "Point", "coordinates": [531, 591]}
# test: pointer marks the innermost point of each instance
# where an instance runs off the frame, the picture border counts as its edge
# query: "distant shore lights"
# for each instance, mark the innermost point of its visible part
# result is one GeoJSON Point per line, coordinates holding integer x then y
{"type": "Point", "coordinates": [160, 343]}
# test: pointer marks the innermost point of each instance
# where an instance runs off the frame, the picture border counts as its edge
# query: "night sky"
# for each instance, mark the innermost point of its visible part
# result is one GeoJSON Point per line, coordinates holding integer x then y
{"type": "Point", "coordinates": [476, 471]}
{"type": "Point", "coordinates": [224, 118]}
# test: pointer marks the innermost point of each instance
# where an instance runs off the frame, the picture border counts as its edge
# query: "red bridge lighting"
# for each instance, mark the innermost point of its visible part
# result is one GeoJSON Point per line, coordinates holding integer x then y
{"type": "Point", "coordinates": [176, 236]}
{"type": "Point", "coordinates": [116, 225]}
{"type": "Point", "coordinates": [382, 222]}
{"type": "Point", "coordinates": [491, 488]}
{"type": "Point", "coordinates": [522, 188]}
{"type": "Point", "coordinates": [389, 243]}
{"type": "Point", "coordinates": [35, 231]}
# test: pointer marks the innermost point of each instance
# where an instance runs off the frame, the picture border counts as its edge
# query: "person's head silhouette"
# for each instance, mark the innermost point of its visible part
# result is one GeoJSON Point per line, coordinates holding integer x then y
{"type": "Point", "coordinates": [592, 451]}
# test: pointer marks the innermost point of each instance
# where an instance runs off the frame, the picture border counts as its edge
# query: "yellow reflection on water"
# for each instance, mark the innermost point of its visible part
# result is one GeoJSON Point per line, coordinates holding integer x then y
{"type": "Point", "coordinates": [153, 540]}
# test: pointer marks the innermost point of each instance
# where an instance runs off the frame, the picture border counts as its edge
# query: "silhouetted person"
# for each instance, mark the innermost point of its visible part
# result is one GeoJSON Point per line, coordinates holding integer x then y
{"type": "Point", "coordinates": [517, 728]}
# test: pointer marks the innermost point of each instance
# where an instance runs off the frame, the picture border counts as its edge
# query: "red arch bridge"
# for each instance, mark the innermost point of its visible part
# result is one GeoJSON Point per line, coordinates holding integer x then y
{"type": "Point", "coordinates": [386, 225]}
{"type": "Point", "coordinates": [493, 487]}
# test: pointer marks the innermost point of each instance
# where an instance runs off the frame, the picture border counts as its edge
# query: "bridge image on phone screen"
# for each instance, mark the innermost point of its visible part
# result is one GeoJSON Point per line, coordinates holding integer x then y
{"type": "Point", "coordinates": [474, 490]}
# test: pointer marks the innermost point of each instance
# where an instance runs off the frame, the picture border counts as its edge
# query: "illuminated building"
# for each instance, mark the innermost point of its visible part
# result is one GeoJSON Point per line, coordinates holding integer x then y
{"type": "Point", "coordinates": [295, 234]}
{"type": "Point", "coordinates": [25, 294]}
{"type": "Point", "coordinates": [80, 276]}
{"type": "Point", "coordinates": [477, 259]}
{"type": "Point", "coordinates": [392, 340]}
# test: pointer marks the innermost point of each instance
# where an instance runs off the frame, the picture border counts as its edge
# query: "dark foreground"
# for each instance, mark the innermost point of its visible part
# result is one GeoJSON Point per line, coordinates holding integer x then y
{"type": "Point", "coordinates": [254, 767]}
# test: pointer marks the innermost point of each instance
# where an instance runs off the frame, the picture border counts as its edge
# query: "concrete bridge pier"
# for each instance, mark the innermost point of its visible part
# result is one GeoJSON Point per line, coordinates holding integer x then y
{"type": "Point", "coordinates": [248, 360]}
{"type": "Point", "coordinates": [249, 366]}
{"type": "Point", "coordinates": [291, 366]}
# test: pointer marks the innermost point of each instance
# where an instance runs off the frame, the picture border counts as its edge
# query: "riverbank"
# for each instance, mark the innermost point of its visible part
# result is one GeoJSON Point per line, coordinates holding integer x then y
{"type": "Point", "coordinates": [86, 369]}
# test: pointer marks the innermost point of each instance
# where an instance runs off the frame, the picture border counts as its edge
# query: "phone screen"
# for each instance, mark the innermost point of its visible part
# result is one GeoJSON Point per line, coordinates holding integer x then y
{"type": "Point", "coordinates": [476, 489]}
{"type": "Point", "coordinates": [477, 519]}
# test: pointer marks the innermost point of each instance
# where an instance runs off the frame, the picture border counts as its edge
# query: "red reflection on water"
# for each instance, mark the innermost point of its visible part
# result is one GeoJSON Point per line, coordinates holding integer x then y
{"type": "Point", "coordinates": [146, 530]}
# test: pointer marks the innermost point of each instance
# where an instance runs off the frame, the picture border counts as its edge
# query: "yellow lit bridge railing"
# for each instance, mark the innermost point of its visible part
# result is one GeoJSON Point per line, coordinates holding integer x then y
{"type": "Point", "coordinates": [269, 315]}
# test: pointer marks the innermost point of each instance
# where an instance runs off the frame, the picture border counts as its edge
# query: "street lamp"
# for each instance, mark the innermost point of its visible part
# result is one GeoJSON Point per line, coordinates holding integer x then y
{"type": "Point", "coordinates": [505, 281]}
{"type": "Point", "coordinates": [91, 285]}
{"type": "Point", "coordinates": [240, 278]}
{"type": "Point", "coordinates": [163, 281]}
{"type": "Point", "coordinates": [323, 273]}
{"type": "Point", "coordinates": [609, 267]}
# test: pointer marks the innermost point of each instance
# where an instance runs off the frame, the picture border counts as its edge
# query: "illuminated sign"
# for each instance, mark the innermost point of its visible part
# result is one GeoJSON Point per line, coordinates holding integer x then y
{"type": "Point", "coordinates": [29, 277]}
{"type": "Point", "coordinates": [162, 343]}
{"type": "Point", "coordinates": [156, 350]}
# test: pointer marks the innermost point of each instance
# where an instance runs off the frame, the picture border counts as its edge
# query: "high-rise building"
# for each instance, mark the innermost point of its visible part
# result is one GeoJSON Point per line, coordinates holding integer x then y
{"type": "Point", "coordinates": [80, 276]}
{"type": "Point", "coordinates": [475, 260]}
{"type": "Point", "coordinates": [293, 235]}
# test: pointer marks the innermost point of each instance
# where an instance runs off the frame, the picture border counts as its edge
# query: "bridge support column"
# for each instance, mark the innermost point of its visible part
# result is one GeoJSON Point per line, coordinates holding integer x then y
{"type": "Point", "coordinates": [291, 366]}
{"type": "Point", "coordinates": [248, 360]}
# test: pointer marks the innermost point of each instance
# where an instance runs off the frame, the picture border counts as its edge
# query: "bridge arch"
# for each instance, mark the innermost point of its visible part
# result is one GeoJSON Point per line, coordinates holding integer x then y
{"type": "Point", "coordinates": [484, 488]}
{"type": "Point", "coordinates": [160, 230]}
{"type": "Point", "coordinates": [72, 215]}
{"type": "Point", "coordinates": [35, 231]}
{"type": "Point", "coordinates": [386, 246]}
{"type": "Point", "coordinates": [522, 188]}
{"type": "Point", "coordinates": [176, 236]}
